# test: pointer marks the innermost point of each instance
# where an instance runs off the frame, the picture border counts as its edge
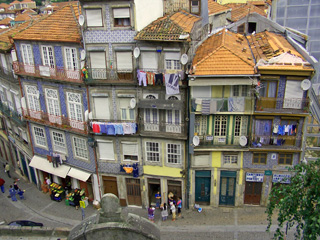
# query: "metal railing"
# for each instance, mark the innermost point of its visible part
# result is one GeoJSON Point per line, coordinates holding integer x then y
{"type": "Point", "coordinates": [163, 127]}
{"type": "Point", "coordinates": [95, 74]}
{"type": "Point", "coordinates": [15, 116]}
{"type": "Point", "coordinates": [56, 73]}
{"type": "Point", "coordinates": [56, 121]}
{"type": "Point", "coordinates": [274, 140]}
{"type": "Point", "coordinates": [227, 140]}
{"type": "Point", "coordinates": [281, 104]}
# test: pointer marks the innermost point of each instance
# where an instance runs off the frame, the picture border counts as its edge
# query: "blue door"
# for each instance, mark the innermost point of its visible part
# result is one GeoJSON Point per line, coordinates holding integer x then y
{"type": "Point", "coordinates": [227, 188]}
{"type": "Point", "coordinates": [203, 183]}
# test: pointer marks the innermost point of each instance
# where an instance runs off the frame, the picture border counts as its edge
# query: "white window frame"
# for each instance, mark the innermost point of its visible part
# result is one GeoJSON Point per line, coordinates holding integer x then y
{"type": "Point", "coordinates": [39, 135]}
{"type": "Point", "coordinates": [172, 61]}
{"type": "Point", "coordinates": [124, 151]}
{"type": "Point", "coordinates": [53, 105]}
{"type": "Point", "coordinates": [71, 58]}
{"type": "Point", "coordinates": [58, 141]}
{"type": "Point", "coordinates": [195, 8]}
{"type": "Point", "coordinates": [48, 56]}
{"type": "Point", "coordinates": [75, 110]}
{"type": "Point", "coordinates": [171, 154]}
{"type": "Point", "coordinates": [240, 91]}
{"type": "Point", "coordinates": [27, 55]}
{"type": "Point", "coordinates": [220, 125]}
{"type": "Point", "coordinates": [96, 13]}
{"type": "Point", "coordinates": [230, 159]}
{"type": "Point", "coordinates": [152, 151]}
{"type": "Point", "coordinates": [17, 101]}
{"type": "Point", "coordinates": [33, 98]}
{"type": "Point", "coordinates": [111, 155]}
{"type": "Point", "coordinates": [80, 153]}
{"type": "Point", "coordinates": [126, 113]}
{"type": "Point", "coordinates": [151, 115]}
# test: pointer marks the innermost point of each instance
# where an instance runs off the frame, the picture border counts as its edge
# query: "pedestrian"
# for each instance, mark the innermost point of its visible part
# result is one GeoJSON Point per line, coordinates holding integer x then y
{"type": "Point", "coordinates": [151, 213]}
{"type": "Point", "coordinates": [2, 181]}
{"type": "Point", "coordinates": [158, 199]}
{"type": "Point", "coordinates": [171, 200]}
{"type": "Point", "coordinates": [76, 198]}
{"type": "Point", "coordinates": [179, 205]}
{"type": "Point", "coordinates": [15, 185]}
{"type": "Point", "coordinates": [7, 169]}
{"type": "Point", "coordinates": [20, 193]}
{"type": "Point", "coordinates": [164, 212]}
{"type": "Point", "coordinates": [48, 181]}
{"type": "Point", "coordinates": [173, 210]}
{"type": "Point", "coordinates": [12, 192]}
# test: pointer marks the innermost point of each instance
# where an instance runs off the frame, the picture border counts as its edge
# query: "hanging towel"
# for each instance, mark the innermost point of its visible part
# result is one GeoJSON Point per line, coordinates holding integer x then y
{"type": "Point", "coordinates": [213, 106]}
{"type": "Point", "coordinates": [126, 128]}
{"type": "Point", "coordinates": [172, 84]}
{"type": "Point", "coordinates": [159, 79]}
{"type": "Point", "coordinates": [206, 106]}
{"type": "Point", "coordinates": [110, 129]}
{"type": "Point", "coordinates": [118, 129]}
{"type": "Point", "coordinates": [103, 128]}
{"type": "Point", "coordinates": [95, 128]}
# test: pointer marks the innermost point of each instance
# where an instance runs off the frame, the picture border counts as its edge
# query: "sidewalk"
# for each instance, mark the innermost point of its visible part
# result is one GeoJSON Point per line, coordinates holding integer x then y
{"type": "Point", "coordinates": [39, 207]}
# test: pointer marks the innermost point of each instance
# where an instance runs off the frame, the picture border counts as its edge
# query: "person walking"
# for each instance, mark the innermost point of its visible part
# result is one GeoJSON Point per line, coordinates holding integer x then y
{"type": "Point", "coordinates": [12, 193]}
{"type": "Point", "coordinates": [179, 205]}
{"type": "Point", "coordinates": [2, 181]}
{"type": "Point", "coordinates": [158, 199]}
{"type": "Point", "coordinates": [77, 198]}
{"type": "Point", "coordinates": [15, 185]}
{"type": "Point", "coordinates": [151, 213]}
{"type": "Point", "coordinates": [173, 210]}
{"type": "Point", "coordinates": [7, 169]}
{"type": "Point", "coordinates": [164, 212]}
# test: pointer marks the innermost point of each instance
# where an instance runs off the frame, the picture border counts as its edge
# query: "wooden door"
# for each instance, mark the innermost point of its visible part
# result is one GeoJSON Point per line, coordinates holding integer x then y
{"type": "Point", "coordinates": [253, 193]}
{"type": "Point", "coordinates": [110, 185]}
{"type": "Point", "coordinates": [133, 191]}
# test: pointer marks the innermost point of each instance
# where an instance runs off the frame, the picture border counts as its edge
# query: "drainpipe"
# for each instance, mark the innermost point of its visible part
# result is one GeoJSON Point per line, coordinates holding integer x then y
{"type": "Point", "coordinates": [187, 148]}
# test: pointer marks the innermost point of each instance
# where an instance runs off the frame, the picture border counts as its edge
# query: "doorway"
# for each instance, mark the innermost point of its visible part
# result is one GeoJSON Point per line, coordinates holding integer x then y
{"type": "Point", "coordinates": [203, 186]}
{"type": "Point", "coordinates": [175, 188]}
{"type": "Point", "coordinates": [153, 188]}
{"type": "Point", "coordinates": [110, 185]}
{"type": "Point", "coordinates": [227, 188]}
{"type": "Point", "coordinates": [252, 193]}
{"type": "Point", "coordinates": [133, 191]}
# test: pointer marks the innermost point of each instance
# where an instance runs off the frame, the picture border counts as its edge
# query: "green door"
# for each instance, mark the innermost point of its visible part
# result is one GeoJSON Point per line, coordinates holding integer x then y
{"type": "Point", "coordinates": [203, 182]}
{"type": "Point", "coordinates": [227, 188]}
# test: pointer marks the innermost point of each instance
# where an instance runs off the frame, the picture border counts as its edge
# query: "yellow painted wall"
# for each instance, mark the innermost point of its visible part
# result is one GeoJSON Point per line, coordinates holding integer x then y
{"type": "Point", "coordinates": [216, 159]}
{"type": "Point", "coordinates": [215, 180]}
{"type": "Point", "coordinates": [162, 171]}
{"type": "Point", "coordinates": [210, 125]}
{"type": "Point", "coordinates": [216, 91]}
{"type": "Point", "coordinates": [241, 169]}
{"type": "Point", "coordinates": [227, 91]}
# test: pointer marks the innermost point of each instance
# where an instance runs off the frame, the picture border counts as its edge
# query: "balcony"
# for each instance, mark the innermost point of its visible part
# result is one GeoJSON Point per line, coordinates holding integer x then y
{"type": "Point", "coordinates": [219, 141]}
{"type": "Point", "coordinates": [222, 105]}
{"type": "Point", "coordinates": [293, 105]}
{"type": "Point", "coordinates": [276, 141]}
{"type": "Point", "coordinates": [60, 74]}
{"type": "Point", "coordinates": [55, 121]}
{"type": "Point", "coordinates": [163, 127]}
{"type": "Point", "coordinates": [98, 75]}
{"type": "Point", "coordinates": [114, 127]}
{"type": "Point", "coordinates": [16, 117]}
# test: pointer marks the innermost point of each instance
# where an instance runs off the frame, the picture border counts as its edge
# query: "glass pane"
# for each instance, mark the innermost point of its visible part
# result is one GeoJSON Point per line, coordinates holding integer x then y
{"type": "Point", "coordinates": [231, 187]}
{"type": "Point", "coordinates": [223, 189]}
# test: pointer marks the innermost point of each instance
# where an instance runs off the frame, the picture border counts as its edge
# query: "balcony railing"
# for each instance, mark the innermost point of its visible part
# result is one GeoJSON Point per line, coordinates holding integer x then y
{"type": "Point", "coordinates": [7, 74]}
{"type": "Point", "coordinates": [271, 141]}
{"type": "Point", "coordinates": [163, 127]}
{"type": "Point", "coordinates": [227, 140]}
{"type": "Point", "coordinates": [12, 114]}
{"type": "Point", "coordinates": [282, 105]}
{"type": "Point", "coordinates": [47, 72]}
{"type": "Point", "coordinates": [99, 74]}
{"type": "Point", "coordinates": [56, 121]}
{"type": "Point", "coordinates": [222, 105]}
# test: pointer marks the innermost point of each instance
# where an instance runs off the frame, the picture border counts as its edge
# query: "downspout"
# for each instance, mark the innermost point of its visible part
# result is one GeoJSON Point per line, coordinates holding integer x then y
{"type": "Point", "coordinates": [187, 148]}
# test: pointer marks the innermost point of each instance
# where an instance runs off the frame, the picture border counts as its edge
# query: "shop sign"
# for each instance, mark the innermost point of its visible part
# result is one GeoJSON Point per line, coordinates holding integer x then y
{"type": "Point", "coordinates": [209, 138]}
{"type": "Point", "coordinates": [281, 178]}
{"type": "Point", "coordinates": [268, 172]}
{"type": "Point", "coordinates": [254, 177]}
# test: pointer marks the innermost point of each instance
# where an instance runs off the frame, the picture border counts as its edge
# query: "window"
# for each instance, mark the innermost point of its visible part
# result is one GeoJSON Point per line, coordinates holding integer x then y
{"type": "Point", "coordinates": [230, 159]}
{"type": "Point", "coordinates": [200, 125]}
{"type": "Point", "coordinates": [220, 126]}
{"type": "Point", "coordinates": [127, 113]}
{"type": "Point", "coordinates": [124, 61]}
{"type": "Point", "coordinates": [259, 158]}
{"type": "Point", "coordinates": [252, 27]}
{"type": "Point", "coordinates": [71, 58]}
{"type": "Point", "coordinates": [98, 65]}
{"type": "Point", "coordinates": [151, 115]}
{"type": "Point", "coordinates": [18, 104]}
{"type": "Point", "coordinates": [33, 98]}
{"type": "Point", "coordinates": [52, 102]}
{"type": "Point", "coordinates": [3, 96]}
{"type": "Point", "coordinates": [94, 17]}
{"type": "Point", "coordinates": [240, 91]}
{"type": "Point", "coordinates": [80, 148]}
{"type": "Point", "coordinates": [3, 62]}
{"type": "Point", "coordinates": [173, 116]}
{"type": "Point", "coordinates": [285, 159]}
{"type": "Point", "coordinates": [240, 125]}
{"type": "Point", "coordinates": [172, 60]}
{"type": "Point", "coordinates": [101, 107]}
{"type": "Point", "coordinates": [121, 17]}
{"type": "Point", "coordinates": [152, 151]}
{"type": "Point", "coordinates": [27, 54]}
{"type": "Point", "coordinates": [195, 6]}
{"type": "Point", "coordinates": [149, 60]}
{"type": "Point", "coordinates": [10, 101]}
{"type": "Point", "coordinates": [293, 95]}
{"type": "Point", "coordinates": [75, 106]}
{"type": "Point", "coordinates": [47, 56]}
{"type": "Point", "coordinates": [174, 153]}
{"type": "Point", "coordinates": [268, 89]}
{"type": "Point", "coordinates": [241, 28]}
{"type": "Point", "coordinates": [105, 150]}
{"type": "Point", "coordinates": [39, 136]}
{"type": "Point", "coordinates": [130, 151]}
{"type": "Point", "coordinates": [58, 142]}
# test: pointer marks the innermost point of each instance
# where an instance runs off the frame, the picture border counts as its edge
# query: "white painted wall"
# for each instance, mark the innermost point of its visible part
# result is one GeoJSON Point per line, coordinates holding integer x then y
{"type": "Point", "coordinates": [146, 11]}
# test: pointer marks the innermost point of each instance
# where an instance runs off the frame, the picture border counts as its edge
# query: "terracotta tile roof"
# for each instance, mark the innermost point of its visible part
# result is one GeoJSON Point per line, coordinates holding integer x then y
{"type": "Point", "coordinates": [169, 27]}
{"type": "Point", "coordinates": [29, 11]}
{"type": "Point", "coordinates": [5, 43]}
{"type": "Point", "coordinates": [241, 10]}
{"type": "Point", "coordinates": [61, 26]}
{"type": "Point", "coordinates": [27, 1]}
{"type": "Point", "coordinates": [23, 17]}
{"type": "Point", "coordinates": [15, 2]}
{"type": "Point", "coordinates": [224, 53]}
{"type": "Point", "coordinates": [215, 7]}
{"type": "Point", "coordinates": [6, 21]}
{"type": "Point", "coordinates": [273, 51]}
{"type": "Point", "coordinates": [4, 5]}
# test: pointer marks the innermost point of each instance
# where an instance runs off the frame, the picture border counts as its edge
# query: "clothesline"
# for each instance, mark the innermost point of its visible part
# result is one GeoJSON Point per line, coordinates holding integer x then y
{"type": "Point", "coordinates": [114, 128]}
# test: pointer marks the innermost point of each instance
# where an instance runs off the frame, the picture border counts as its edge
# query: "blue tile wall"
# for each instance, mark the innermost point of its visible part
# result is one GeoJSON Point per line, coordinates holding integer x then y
{"type": "Point", "coordinates": [42, 97]}
{"type": "Point", "coordinates": [37, 55]}
{"type": "Point", "coordinates": [58, 56]}
{"type": "Point", "coordinates": [17, 45]}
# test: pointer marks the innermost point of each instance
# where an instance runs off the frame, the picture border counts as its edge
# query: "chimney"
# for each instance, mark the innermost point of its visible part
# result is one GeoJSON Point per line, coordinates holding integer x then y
{"type": "Point", "coordinates": [204, 12]}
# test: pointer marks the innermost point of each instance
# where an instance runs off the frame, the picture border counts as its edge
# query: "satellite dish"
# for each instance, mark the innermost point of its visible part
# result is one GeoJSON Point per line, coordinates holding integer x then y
{"type": "Point", "coordinates": [86, 116]}
{"type": "Point", "coordinates": [136, 52]}
{"type": "Point", "coordinates": [243, 141]}
{"type": "Point", "coordinates": [133, 103]}
{"type": "Point", "coordinates": [83, 54]}
{"type": "Point", "coordinates": [195, 140]}
{"type": "Point", "coordinates": [305, 84]}
{"type": "Point", "coordinates": [184, 59]}
{"type": "Point", "coordinates": [81, 20]}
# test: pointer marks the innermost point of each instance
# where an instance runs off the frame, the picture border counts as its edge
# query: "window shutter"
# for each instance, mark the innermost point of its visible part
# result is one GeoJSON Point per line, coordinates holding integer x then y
{"type": "Point", "coordinates": [130, 149]}
{"type": "Point", "coordinates": [125, 102]}
{"type": "Point", "coordinates": [101, 107]}
{"type": "Point", "coordinates": [124, 61]}
{"type": "Point", "coordinates": [94, 17]}
{"type": "Point", "coordinates": [18, 104]}
{"type": "Point", "coordinates": [172, 55]}
{"type": "Point", "coordinates": [106, 150]}
{"type": "Point", "coordinates": [149, 60]}
{"type": "Point", "coordinates": [121, 13]}
{"type": "Point", "coordinates": [98, 60]}
{"type": "Point", "coordinates": [4, 61]}
{"type": "Point", "coordinates": [201, 92]}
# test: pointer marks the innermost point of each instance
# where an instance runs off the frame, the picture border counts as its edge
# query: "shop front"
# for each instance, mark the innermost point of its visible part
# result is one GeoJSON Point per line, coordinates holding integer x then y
{"type": "Point", "coordinates": [253, 188]}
